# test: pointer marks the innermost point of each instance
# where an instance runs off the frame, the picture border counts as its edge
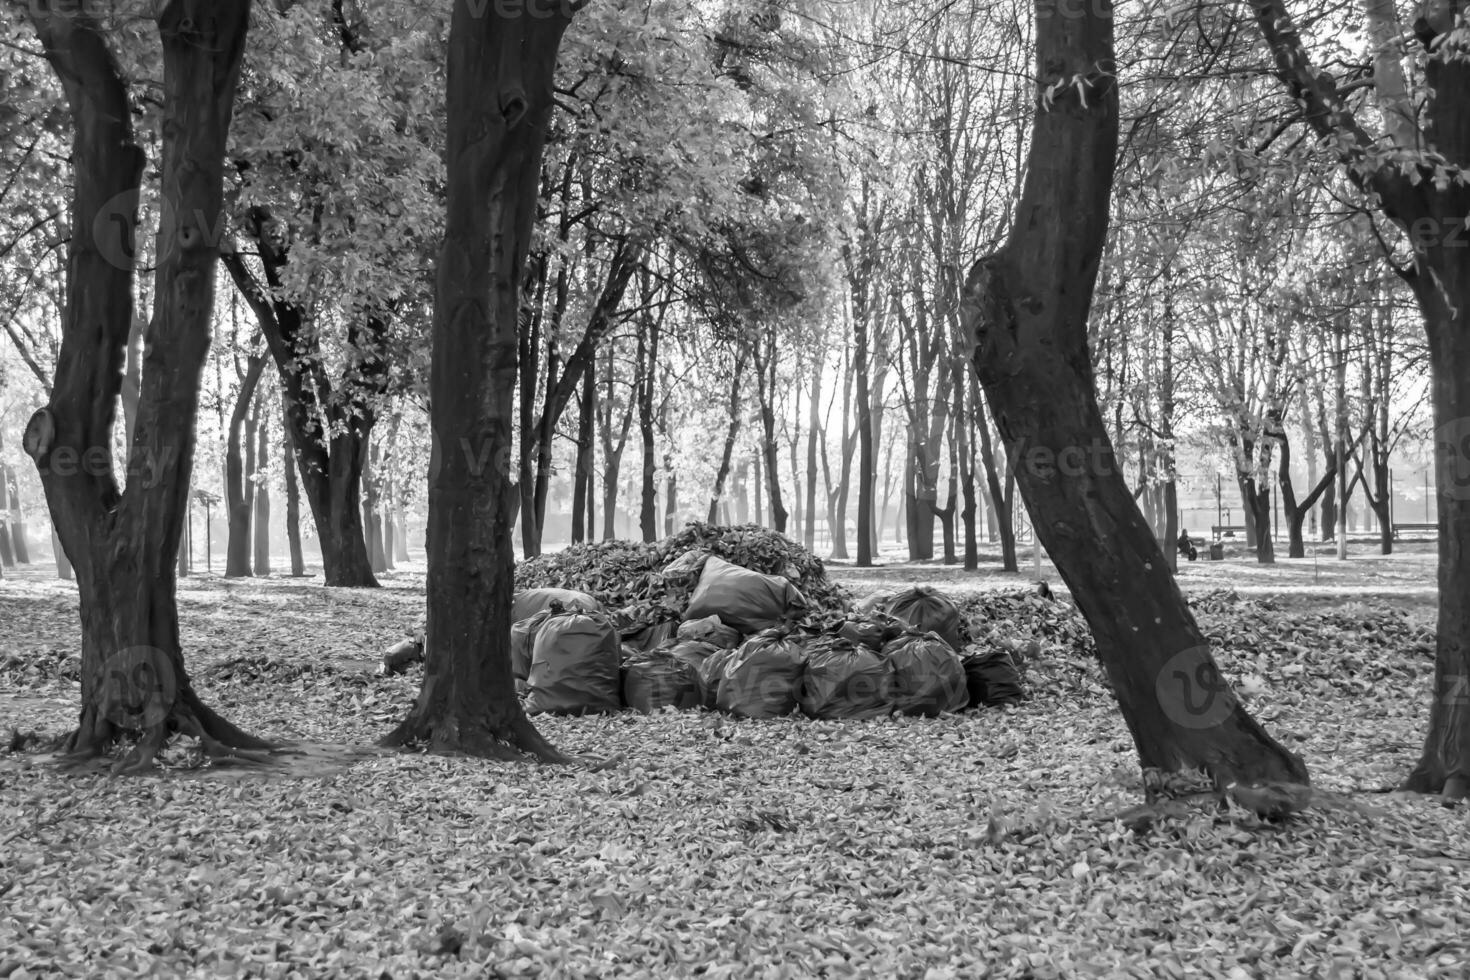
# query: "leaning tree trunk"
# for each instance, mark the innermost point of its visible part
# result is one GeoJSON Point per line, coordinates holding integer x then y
{"type": "Point", "coordinates": [1027, 306]}
{"type": "Point", "coordinates": [499, 103]}
{"type": "Point", "coordinates": [124, 543]}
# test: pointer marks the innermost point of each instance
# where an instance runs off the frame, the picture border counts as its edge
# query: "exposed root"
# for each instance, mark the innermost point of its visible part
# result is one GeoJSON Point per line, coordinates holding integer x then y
{"type": "Point", "coordinates": [220, 742]}
{"type": "Point", "coordinates": [479, 737]}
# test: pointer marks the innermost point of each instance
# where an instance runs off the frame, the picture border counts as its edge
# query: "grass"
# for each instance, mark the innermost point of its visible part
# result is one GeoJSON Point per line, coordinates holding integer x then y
{"type": "Point", "coordinates": [972, 844]}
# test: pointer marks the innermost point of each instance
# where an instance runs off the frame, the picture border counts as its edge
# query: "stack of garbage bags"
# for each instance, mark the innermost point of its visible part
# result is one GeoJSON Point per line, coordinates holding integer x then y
{"type": "Point", "coordinates": [742, 644]}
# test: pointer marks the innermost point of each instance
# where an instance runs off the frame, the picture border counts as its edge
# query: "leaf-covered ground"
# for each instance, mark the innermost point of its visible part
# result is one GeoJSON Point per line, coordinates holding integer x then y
{"type": "Point", "coordinates": [903, 848]}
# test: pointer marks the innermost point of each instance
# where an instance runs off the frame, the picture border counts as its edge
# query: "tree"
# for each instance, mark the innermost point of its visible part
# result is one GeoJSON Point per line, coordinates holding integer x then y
{"type": "Point", "coordinates": [499, 97]}
{"type": "Point", "coordinates": [124, 542]}
{"type": "Point", "coordinates": [1027, 306]}
{"type": "Point", "coordinates": [1415, 175]}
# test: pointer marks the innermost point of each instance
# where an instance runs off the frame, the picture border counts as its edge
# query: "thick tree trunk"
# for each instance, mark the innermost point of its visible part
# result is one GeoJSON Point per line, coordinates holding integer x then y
{"type": "Point", "coordinates": [125, 543]}
{"type": "Point", "coordinates": [239, 491]}
{"type": "Point", "coordinates": [293, 504]}
{"type": "Point", "coordinates": [1443, 292]}
{"type": "Point", "coordinates": [499, 103]}
{"type": "Point", "coordinates": [1028, 308]}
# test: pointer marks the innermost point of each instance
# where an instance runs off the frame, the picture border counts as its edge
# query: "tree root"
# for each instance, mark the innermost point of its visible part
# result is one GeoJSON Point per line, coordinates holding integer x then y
{"type": "Point", "coordinates": [480, 737]}
{"type": "Point", "coordinates": [220, 742]}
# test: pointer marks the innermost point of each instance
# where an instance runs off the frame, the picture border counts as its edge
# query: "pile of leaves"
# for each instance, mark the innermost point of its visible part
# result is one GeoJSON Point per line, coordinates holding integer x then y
{"type": "Point", "coordinates": [761, 550]}
{"type": "Point", "coordinates": [625, 573]}
{"type": "Point", "coordinates": [618, 573]}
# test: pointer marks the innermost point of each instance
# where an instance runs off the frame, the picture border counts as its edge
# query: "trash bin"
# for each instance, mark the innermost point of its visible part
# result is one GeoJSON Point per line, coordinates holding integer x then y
{"type": "Point", "coordinates": [1217, 551]}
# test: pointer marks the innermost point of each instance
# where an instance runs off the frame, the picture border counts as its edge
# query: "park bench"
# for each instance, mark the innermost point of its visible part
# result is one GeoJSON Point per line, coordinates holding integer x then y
{"type": "Point", "coordinates": [1226, 530]}
{"type": "Point", "coordinates": [1419, 528]}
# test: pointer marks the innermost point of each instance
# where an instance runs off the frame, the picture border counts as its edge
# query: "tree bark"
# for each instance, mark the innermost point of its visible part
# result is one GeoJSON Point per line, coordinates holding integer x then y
{"type": "Point", "coordinates": [765, 357]}
{"type": "Point", "coordinates": [1028, 308]}
{"type": "Point", "coordinates": [239, 490]}
{"type": "Point", "coordinates": [293, 500]}
{"type": "Point", "coordinates": [582, 483]}
{"type": "Point", "coordinates": [643, 382]}
{"type": "Point", "coordinates": [501, 64]}
{"type": "Point", "coordinates": [329, 428]}
{"type": "Point", "coordinates": [124, 543]}
{"type": "Point", "coordinates": [260, 522]}
{"type": "Point", "coordinates": [732, 435]}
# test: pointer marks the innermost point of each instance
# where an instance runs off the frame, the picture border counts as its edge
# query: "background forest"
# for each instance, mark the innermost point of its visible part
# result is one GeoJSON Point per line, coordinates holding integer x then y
{"type": "Point", "coordinates": [746, 256]}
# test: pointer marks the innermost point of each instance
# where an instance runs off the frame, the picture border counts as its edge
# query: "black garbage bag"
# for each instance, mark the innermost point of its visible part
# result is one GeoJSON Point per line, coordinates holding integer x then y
{"type": "Point", "coordinates": [763, 678]}
{"type": "Point", "coordinates": [992, 678]}
{"type": "Point", "coordinates": [648, 636]}
{"type": "Point", "coordinates": [683, 572]}
{"type": "Point", "coordinates": [692, 652]}
{"type": "Point", "coordinates": [529, 602]}
{"type": "Point", "coordinates": [709, 677]}
{"type": "Point", "coordinates": [844, 680]}
{"type": "Point", "coordinates": [928, 677]}
{"type": "Point", "coordinates": [711, 630]}
{"type": "Point", "coordinates": [523, 638]}
{"type": "Point", "coordinates": [927, 611]}
{"type": "Point", "coordinates": [574, 666]}
{"type": "Point", "coordinates": [658, 679]}
{"type": "Point", "coordinates": [746, 600]}
{"type": "Point", "coordinates": [868, 633]}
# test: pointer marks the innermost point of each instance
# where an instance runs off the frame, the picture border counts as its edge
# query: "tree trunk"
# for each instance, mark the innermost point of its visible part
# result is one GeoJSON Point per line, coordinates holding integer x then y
{"type": "Point", "coordinates": [239, 491]}
{"type": "Point", "coordinates": [1002, 499]}
{"type": "Point", "coordinates": [813, 434]}
{"type": "Point", "coordinates": [732, 435]}
{"type": "Point", "coordinates": [64, 569]}
{"type": "Point", "coordinates": [467, 703]}
{"type": "Point", "coordinates": [770, 452]}
{"type": "Point", "coordinates": [17, 516]}
{"type": "Point", "coordinates": [329, 429]}
{"type": "Point", "coordinates": [867, 451]}
{"type": "Point", "coordinates": [261, 521]}
{"type": "Point", "coordinates": [125, 544]}
{"type": "Point", "coordinates": [293, 502]}
{"type": "Point", "coordinates": [645, 376]}
{"type": "Point", "coordinates": [1027, 306]}
{"type": "Point", "coordinates": [582, 482]}
{"type": "Point", "coordinates": [372, 509]}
